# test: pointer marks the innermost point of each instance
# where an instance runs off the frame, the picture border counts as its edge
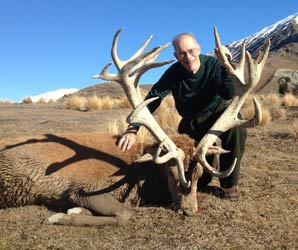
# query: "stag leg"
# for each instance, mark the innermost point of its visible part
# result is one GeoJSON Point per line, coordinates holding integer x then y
{"type": "Point", "coordinates": [111, 210]}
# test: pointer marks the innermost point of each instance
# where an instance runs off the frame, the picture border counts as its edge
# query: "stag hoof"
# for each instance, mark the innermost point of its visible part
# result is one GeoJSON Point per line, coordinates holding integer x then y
{"type": "Point", "coordinates": [123, 217]}
{"type": "Point", "coordinates": [54, 219]}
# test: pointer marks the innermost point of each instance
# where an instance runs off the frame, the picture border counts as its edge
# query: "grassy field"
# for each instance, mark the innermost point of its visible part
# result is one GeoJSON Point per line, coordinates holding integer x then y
{"type": "Point", "coordinates": [265, 217]}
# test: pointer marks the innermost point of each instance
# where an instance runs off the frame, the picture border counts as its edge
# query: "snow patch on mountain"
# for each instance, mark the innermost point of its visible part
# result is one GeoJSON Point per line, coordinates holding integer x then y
{"type": "Point", "coordinates": [53, 95]}
{"type": "Point", "coordinates": [280, 33]}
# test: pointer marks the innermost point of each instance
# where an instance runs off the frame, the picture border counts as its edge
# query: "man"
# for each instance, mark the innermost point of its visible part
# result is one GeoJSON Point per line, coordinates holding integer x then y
{"type": "Point", "coordinates": [200, 86]}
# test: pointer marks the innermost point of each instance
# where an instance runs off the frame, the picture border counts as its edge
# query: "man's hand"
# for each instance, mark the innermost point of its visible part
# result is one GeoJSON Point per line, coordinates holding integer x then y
{"type": "Point", "coordinates": [128, 138]}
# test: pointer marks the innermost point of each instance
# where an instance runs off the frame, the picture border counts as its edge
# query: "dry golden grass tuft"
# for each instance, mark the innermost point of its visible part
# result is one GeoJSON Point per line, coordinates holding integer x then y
{"type": "Point", "coordinates": [107, 103]}
{"type": "Point", "coordinates": [167, 116]}
{"type": "Point", "coordinates": [27, 100]}
{"type": "Point", "coordinates": [93, 103]}
{"type": "Point", "coordinates": [76, 102]}
{"type": "Point", "coordinates": [293, 130]}
{"type": "Point", "coordinates": [41, 101]}
{"type": "Point", "coordinates": [277, 113]}
{"type": "Point", "coordinates": [7, 101]}
{"type": "Point", "coordinates": [271, 100]}
{"type": "Point", "coordinates": [117, 127]}
{"type": "Point", "coordinates": [122, 103]}
{"type": "Point", "coordinates": [52, 101]}
{"type": "Point", "coordinates": [248, 112]}
{"type": "Point", "coordinates": [289, 100]}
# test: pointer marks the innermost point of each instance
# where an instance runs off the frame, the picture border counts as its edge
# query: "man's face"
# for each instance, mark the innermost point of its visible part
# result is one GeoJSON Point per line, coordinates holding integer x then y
{"type": "Point", "coordinates": [187, 52]}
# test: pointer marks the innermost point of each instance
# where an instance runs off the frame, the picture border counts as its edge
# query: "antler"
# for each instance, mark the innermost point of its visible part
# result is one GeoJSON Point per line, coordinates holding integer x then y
{"type": "Point", "coordinates": [129, 73]}
{"type": "Point", "coordinates": [229, 119]}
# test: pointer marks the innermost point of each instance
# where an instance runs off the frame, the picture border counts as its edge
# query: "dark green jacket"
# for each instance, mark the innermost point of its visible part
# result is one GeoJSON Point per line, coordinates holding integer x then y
{"type": "Point", "coordinates": [194, 93]}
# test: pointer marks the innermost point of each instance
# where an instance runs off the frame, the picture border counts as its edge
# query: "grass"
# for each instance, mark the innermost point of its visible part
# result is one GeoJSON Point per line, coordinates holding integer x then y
{"type": "Point", "coordinates": [264, 218]}
{"type": "Point", "coordinates": [76, 102]}
{"type": "Point", "coordinates": [289, 100]}
{"type": "Point", "coordinates": [293, 130]}
{"type": "Point", "coordinates": [27, 100]}
{"type": "Point", "coordinates": [93, 103]}
{"type": "Point", "coordinates": [8, 243]}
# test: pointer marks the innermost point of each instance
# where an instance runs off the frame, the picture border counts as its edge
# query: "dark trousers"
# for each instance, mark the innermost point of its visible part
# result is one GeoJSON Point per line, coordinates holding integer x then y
{"type": "Point", "coordinates": [233, 140]}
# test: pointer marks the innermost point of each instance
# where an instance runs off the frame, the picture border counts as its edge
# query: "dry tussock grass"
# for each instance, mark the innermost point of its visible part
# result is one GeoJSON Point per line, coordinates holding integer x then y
{"type": "Point", "coordinates": [41, 101]}
{"type": "Point", "coordinates": [93, 103]}
{"type": "Point", "coordinates": [271, 100]}
{"type": "Point", "coordinates": [293, 130]}
{"type": "Point", "coordinates": [107, 103]}
{"type": "Point", "coordinates": [167, 116]}
{"type": "Point", "coordinates": [7, 101]}
{"type": "Point", "coordinates": [52, 101]}
{"type": "Point", "coordinates": [248, 112]}
{"type": "Point", "coordinates": [122, 103]}
{"type": "Point", "coordinates": [75, 102]}
{"type": "Point", "coordinates": [27, 100]}
{"type": "Point", "coordinates": [264, 218]}
{"type": "Point", "coordinates": [289, 100]}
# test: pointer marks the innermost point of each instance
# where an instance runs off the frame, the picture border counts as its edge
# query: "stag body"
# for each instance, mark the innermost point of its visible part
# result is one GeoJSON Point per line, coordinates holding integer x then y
{"type": "Point", "coordinates": [85, 170]}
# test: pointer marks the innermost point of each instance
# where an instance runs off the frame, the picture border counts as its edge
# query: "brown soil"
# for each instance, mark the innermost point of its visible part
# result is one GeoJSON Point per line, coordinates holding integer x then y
{"type": "Point", "coordinates": [266, 217]}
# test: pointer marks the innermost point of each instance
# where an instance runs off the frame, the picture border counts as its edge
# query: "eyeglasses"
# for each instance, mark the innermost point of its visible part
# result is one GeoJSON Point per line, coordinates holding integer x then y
{"type": "Point", "coordinates": [191, 52]}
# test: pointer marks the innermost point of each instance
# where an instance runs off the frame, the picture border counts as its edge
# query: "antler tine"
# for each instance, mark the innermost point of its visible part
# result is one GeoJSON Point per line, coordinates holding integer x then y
{"type": "Point", "coordinates": [148, 66]}
{"type": "Point", "coordinates": [106, 75]}
{"type": "Point", "coordinates": [229, 119]}
{"type": "Point", "coordinates": [119, 63]}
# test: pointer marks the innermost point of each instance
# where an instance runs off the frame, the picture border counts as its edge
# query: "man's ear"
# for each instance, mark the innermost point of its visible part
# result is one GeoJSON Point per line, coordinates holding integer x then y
{"type": "Point", "coordinates": [199, 48]}
{"type": "Point", "coordinates": [176, 55]}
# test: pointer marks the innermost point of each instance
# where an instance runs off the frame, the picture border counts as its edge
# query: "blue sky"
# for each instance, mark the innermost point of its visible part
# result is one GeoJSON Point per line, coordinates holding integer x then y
{"type": "Point", "coordinates": [51, 44]}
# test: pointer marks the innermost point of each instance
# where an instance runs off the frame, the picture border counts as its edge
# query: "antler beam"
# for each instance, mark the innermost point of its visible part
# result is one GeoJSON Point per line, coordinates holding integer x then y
{"type": "Point", "coordinates": [129, 73]}
{"type": "Point", "coordinates": [229, 119]}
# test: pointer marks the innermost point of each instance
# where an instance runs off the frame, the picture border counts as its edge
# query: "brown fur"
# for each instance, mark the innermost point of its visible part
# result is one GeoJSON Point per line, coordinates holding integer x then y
{"type": "Point", "coordinates": [81, 169]}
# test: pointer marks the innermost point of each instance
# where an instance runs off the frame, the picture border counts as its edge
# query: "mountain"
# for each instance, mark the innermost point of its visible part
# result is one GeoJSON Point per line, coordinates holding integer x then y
{"type": "Point", "coordinates": [53, 95]}
{"type": "Point", "coordinates": [280, 33]}
{"type": "Point", "coordinates": [283, 51]}
{"type": "Point", "coordinates": [112, 89]}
